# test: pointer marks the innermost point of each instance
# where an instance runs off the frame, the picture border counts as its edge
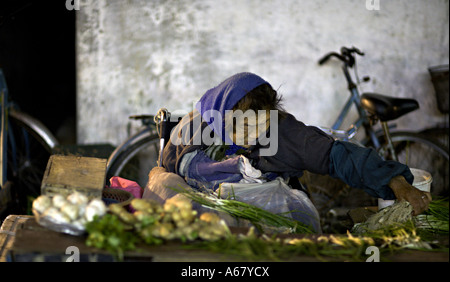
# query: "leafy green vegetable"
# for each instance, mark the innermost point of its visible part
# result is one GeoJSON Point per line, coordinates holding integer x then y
{"type": "Point", "coordinates": [439, 209]}
{"type": "Point", "coordinates": [435, 220]}
{"type": "Point", "coordinates": [111, 234]}
{"type": "Point", "coordinates": [116, 236]}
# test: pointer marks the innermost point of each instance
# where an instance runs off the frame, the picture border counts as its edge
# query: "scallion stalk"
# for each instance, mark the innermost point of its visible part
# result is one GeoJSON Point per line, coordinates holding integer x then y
{"type": "Point", "coordinates": [257, 216]}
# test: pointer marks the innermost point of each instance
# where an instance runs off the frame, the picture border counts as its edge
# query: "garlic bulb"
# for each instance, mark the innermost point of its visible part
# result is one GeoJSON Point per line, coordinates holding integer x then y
{"type": "Point", "coordinates": [42, 203]}
{"type": "Point", "coordinates": [79, 223]}
{"type": "Point", "coordinates": [99, 204]}
{"type": "Point", "coordinates": [73, 210]}
{"type": "Point", "coordinates": [81, 210]}
{"type": "Point", "coordinates": [57, 216]}
{"type": "Point", "coordinates": [58, 201]}
{"type": "Point", "coordinates": [95, 207]}
{"type": "Point", "coordinates": [90, 213]}
{"type": "Point", "coordinates": [70, 210]}
{"type": "Point", "coordinates": [78, 198]}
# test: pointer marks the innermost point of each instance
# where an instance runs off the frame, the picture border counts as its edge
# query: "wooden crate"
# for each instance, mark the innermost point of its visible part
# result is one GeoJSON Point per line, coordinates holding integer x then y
{"type": "Point", "coordinates": [67, 174]}
{"type": "Point", "coordinates": [8, 234]}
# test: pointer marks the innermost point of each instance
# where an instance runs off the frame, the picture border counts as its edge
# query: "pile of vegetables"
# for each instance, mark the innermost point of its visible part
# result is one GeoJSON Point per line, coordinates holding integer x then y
{"type": "Point", "coordinates": [67, 214]}
{"type": "Point", "coordinates": [117, 230]}
{"type": "Point", "coordinates": [436, 219]}
{"type": "Point", "coordinates": [395, 227]}
{"type": "Point", "coordinates": [256, 247]}
{"type": "Point", "coordinates": [153, 223]}
{"type": "Point", "coordinates": [405, 232]}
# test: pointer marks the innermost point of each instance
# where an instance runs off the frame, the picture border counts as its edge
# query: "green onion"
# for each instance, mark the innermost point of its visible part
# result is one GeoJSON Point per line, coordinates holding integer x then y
{"type": "Point", "coordinates": [259, 217]}
{"type": "Point", "coordinates": [439, 208]}
{"type": "Point", "coordinates": [436, 218]}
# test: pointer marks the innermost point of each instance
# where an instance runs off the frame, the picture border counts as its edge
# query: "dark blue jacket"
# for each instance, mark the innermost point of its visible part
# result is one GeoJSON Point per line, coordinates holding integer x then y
{"type": "Point", "coordinates": [302, 147]}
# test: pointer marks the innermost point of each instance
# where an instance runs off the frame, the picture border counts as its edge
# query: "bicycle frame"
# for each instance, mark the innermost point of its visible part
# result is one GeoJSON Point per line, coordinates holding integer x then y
{"type": "Point", "coordinates": [362, 120]}
{"type": "Point", "coordinates": [148, 128]}
{"type": "Point", "coordinates": [350, 132]}
{"type": "Point", "coordinates": [30, 127]}
{"type": "Point", "coordinates": [3, 141]}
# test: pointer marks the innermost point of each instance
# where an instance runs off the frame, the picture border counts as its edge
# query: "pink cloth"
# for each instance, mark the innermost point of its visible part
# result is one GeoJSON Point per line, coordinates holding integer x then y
{"type": "Point", "coordinates": [127, 185]}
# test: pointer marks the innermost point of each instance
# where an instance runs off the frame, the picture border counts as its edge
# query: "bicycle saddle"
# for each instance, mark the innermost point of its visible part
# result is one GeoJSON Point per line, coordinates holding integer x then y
{"type": "Point", "coordinates": [387, 108]}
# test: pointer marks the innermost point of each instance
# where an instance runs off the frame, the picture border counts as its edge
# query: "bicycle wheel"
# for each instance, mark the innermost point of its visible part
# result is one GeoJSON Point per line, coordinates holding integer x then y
{"type": "Point", "coordinates": [29, 147]}
{"type": "Point", "coordinates": [440, 134]}
{"type": "Point", "coordinates": [135, 159]}
{"type": "Point", "coordinates": [420, 151]}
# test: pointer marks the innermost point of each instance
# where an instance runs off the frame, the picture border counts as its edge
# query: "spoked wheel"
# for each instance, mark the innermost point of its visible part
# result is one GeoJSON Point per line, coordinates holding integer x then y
{"type": "Point", "coordinates": [422, 152]}
{"type": "Point", "coordinates": [440, 134]}
{"type": "Point", "coordinates": [136, 160]}
{"type": "Point", "coordinates": [29, 148]}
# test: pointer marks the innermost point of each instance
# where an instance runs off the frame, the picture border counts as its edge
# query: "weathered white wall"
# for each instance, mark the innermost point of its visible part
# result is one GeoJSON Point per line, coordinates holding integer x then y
{"type": "Point", "coordinates": [136, 56]}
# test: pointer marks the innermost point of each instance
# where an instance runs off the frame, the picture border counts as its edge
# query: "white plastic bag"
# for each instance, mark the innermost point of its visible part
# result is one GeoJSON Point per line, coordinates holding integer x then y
{"type": "Point", "coordinates": [249, 173]}
{"type": "Point", "coordinates": [275, 196]}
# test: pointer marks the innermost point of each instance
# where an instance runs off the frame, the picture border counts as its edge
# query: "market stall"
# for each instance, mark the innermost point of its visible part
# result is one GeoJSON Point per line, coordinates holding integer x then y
{"type": "Point", "coordinates": [72, 225]}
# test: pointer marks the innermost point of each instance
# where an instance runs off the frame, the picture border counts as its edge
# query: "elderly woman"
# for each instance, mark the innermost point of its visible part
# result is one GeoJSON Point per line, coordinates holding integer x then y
{"type": "Point", "coordinates": [208, 148]}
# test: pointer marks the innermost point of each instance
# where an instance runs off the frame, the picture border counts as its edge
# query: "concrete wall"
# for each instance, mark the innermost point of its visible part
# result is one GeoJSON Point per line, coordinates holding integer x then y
{"type": "Point", "coordinates": [136, 56]}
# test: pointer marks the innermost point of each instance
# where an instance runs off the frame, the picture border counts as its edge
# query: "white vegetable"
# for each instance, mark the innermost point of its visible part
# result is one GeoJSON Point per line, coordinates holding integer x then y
{"type": "Point", "coordinates": [70, 210]}
{"type": "Point", "coordinates": [74, 210]}
{"type": "Point", "coordinates": [81, 210]}
{"type": "Point", "coordinates": [79, 223]}
{"type": "Point", "coordinates": [55, 215]}
{"type": "Point", "coordinates": [42, 203]}
{"type": "Point", "coordinates": [58, 201]}
{"type": "Point", "coordinates": [99, 204]}
{"type": "Point", "coordinates": [78, 198]}
{"type": "Point", "coordinates": [95, 207]}
{"type": "Point", "coordinates": [90, 213]}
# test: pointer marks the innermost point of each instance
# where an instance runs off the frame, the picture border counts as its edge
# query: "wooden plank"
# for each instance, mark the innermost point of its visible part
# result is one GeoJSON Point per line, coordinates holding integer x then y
{"type": "Point", "coordinates": [36, 243]}
{"type": "Point", "coordinates": [65, 174]}
{"type": "Point", "coordinates": [8, 232]}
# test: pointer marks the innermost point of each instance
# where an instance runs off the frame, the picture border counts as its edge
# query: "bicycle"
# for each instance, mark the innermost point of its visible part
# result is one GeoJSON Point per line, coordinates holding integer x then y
{"type": "Point", "coordinates": [414, 149]}
{"type": "Point", "coordinates": [135, 157]}
{"type": "Point", "coordinates": [25, 146]}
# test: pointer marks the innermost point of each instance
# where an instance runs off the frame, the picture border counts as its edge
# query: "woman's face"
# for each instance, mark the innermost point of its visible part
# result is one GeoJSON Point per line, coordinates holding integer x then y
{"type": "Point", "coordinates": [244, 128]}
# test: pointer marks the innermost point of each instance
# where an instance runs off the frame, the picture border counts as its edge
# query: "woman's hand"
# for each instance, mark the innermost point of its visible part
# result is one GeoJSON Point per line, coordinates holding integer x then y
{"type": "Point", "coordinates": [418, 199]}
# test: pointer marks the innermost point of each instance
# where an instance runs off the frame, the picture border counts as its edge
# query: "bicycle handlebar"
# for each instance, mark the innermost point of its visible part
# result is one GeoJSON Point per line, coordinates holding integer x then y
{"type": "Point", "coordinates": [325, 58]}
{"type": "Point", "coordinates": [346, 56]}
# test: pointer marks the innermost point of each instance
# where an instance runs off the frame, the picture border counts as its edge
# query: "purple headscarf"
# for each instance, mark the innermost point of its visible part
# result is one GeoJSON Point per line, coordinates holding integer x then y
{"type": "Point", "coordinates": [224, 97]}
